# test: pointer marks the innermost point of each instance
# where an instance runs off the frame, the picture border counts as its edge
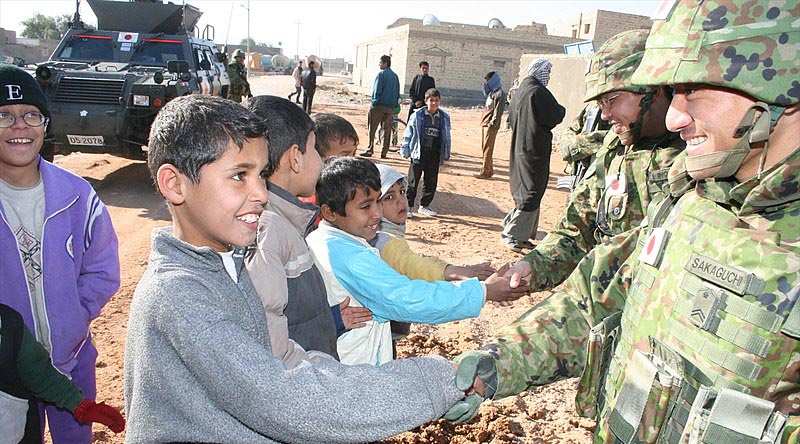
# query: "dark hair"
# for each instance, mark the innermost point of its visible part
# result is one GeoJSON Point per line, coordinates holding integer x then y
{"type": "Point", "coordinates": [287, 124]}
{"type": "Point", "coordinates": [386, 59]}
{"type": "Point", "coordinates": [310, 63]}
{"type": "Point", "coordinates": [424, 63]}
{"type": "Point", "coordinates": [342, 177]}
{"type": "Point", "coordinates": [330, 127]}
{"type": "Point", "coordinates": [432, 92]}
{"type": "Point", "coordinates": [488, 75]}
{"type": "Point", "coordinates": [193, 131]}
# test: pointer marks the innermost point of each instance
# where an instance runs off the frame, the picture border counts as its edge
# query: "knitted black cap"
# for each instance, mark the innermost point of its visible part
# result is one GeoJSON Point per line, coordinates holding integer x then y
{"type": "Point", "coordinates": [18, 87]}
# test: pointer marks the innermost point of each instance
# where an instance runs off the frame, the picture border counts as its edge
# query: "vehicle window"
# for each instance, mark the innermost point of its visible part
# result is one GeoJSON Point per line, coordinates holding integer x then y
{"type": "Point", "coordinates": [209, 56]}
{"type": "Point", "coordinates": [158, 53]}
{"type": "Point", "coordinates": [198, 55]}
{"type": "Point", "coordinates": [88, 48]}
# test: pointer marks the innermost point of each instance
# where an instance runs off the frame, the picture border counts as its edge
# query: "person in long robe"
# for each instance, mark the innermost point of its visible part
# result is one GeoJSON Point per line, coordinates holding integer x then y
{"type": "Point", "coordinates": [533, 113]}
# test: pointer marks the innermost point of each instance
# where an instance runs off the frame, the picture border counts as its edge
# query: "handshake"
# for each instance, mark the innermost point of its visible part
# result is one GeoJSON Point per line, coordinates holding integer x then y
{"type": "Point", "coordinates": [507, 284]}
{"type": "Point", "coordinates": [477, 372]}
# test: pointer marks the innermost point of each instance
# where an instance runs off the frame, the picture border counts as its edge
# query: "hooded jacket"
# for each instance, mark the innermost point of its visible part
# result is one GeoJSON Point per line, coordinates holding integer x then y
{"type": "Point", "coordinates": [80, 264]}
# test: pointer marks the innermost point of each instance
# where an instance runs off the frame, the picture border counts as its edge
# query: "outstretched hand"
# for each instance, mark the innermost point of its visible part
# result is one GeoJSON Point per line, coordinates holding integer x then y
{"type": "Point", "coordinates": [460, 272]}
{"type": "Point", "coordinates": [88, 412]}
{"type": "Point", "coordinates": [499, 286]}
{"type": "Point", "coordinates": [354, 317]}
{"type": "Point", "coordinates": [520, 274]}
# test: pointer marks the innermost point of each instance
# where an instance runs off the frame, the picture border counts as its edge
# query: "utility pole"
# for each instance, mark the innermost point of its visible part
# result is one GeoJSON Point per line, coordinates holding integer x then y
{"type": "Point", "coordinates": [247, 56]}
{"type": "Point", "coordinates": [297, 55]}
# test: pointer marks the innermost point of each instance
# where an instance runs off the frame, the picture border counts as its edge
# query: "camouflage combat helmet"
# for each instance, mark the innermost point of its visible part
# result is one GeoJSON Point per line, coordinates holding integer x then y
{"type": "Point", "coordinates": [748, 46]}
{"type": "Point", "coordinates": [751, 47]}
{"type": "Point", "coordinates": [237, 53]}
{"type": "Point", "coordinates": [613, 65]}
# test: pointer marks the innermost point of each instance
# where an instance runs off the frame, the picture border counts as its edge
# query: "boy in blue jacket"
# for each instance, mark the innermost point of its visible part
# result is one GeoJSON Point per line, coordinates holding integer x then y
{"type": "Point", "coordinates": [346, 250]}
{"type": "Point", "coordinates": [427, 143]}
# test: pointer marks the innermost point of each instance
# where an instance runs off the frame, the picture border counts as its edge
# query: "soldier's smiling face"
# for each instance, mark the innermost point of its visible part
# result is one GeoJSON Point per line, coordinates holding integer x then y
{"type": "Point", "coordinates": [706, 118]}
{"type": "Point", "coordinates": [620, 109]}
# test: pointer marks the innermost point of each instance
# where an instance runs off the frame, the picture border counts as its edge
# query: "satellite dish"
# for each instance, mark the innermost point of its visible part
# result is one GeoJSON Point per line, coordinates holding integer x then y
{"type": "Point", "coordinates": [496, 24]}
{"type": "Point", "coordinates": [430, 20]}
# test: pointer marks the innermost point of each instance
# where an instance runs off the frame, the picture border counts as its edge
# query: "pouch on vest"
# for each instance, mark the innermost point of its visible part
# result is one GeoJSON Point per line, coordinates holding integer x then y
{"type": "Point", "coordinates": [643, 402]}
{"type": "Point", "coordinates": [600, 346]}
{"type": "Point", "coordinates": [732, 417]}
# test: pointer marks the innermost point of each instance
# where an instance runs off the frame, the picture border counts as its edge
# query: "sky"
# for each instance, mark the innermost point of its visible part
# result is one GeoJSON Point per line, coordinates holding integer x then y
{"type": "Point", "coordinates": [331, 29]}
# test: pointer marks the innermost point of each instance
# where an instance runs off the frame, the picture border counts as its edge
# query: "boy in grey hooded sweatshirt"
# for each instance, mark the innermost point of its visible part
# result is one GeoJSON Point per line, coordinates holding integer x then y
{"type": "Point", "coordinates": [198, 363]}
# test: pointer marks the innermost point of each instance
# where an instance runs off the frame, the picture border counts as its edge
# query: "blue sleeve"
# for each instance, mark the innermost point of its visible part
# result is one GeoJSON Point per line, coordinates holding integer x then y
{"type": "Point", "coordinates": [337, 320]}
{"type": "Point", "coordinates": [390, 295]}
{"type": "Point", "coordinates": [408, 136]}
{"type": "Point", "coordinates": [447, 139]}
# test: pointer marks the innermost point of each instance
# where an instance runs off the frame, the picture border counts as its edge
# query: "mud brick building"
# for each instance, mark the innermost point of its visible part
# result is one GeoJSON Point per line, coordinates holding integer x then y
{"type": "Point", "coordinates": [460, 54]}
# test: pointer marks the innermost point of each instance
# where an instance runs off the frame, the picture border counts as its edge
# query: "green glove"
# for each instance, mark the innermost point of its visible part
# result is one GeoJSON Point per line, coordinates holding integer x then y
{"type": "Point", "coordinates": [465, 409]}
{"type": "Point", "coordinates": [472, 364]}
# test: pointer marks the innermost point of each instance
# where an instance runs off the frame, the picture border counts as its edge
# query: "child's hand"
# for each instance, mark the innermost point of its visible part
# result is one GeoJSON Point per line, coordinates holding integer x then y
{"type": "Point", "coordinates": [461, 272]}
{"type": "Point", "coordinates": [88, 412]}
{"type": "Point", "coordinates": [354, 317]}
{"type": "Point", "coordinates": [498, 286]}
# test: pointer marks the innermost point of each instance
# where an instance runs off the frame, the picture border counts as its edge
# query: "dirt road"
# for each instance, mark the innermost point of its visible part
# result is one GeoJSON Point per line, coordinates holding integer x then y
{"type": "Point", "coordinates": [466, 231]}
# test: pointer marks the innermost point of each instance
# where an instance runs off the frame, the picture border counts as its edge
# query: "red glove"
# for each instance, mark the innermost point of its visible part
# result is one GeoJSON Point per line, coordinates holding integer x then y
{"type": "Point", "coordinates": [88, 411]}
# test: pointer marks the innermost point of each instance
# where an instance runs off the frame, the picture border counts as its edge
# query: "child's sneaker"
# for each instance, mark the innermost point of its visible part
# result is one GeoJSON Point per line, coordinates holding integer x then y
{"type": "Point", "coordinates": [410, 214]}
{"type": "Point", "coordinates": [427, 211]}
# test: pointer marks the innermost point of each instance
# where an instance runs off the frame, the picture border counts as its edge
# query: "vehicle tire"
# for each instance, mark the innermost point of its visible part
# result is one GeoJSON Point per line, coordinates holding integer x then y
{"type": "Point", "coordinates": [224, 92]}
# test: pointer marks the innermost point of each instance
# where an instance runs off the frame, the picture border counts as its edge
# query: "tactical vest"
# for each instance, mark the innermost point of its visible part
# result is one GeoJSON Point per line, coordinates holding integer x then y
{"type": "Point", "coordinates": [707, 345]}
{"type": "Point", "coordinates": [630, 180]}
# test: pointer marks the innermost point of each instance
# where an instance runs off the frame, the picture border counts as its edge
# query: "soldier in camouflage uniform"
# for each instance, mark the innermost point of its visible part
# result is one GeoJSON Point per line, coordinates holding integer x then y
{"type": "Point", "coordinates": [236, 71]}
{"type": "Point", "coordinates": [696, 337]}
{"type": "Point", "coordinates": [630, 169]}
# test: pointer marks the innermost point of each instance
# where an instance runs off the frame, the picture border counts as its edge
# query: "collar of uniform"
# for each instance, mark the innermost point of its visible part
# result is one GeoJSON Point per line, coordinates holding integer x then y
{"type": "Point", "coordinates": [777, 186]}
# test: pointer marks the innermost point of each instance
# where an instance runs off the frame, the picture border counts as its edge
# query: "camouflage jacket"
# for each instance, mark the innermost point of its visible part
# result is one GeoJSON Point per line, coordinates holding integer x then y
{"type": "Point", "coordinates": [707, 301]}
{"type": "Point", "coordinates": [614, 194]}
{"type": "Point", "coordinates": [238, 76]}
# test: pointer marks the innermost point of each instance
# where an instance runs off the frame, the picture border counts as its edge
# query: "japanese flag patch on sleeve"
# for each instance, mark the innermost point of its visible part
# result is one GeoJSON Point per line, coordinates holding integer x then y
{"type": "Point", "coordinates": [654, 247]}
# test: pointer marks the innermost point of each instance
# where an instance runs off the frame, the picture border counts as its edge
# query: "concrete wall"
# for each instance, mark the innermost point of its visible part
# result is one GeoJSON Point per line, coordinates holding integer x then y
{"type": "Point", "coordinates": [566, 81]}
{"type": "Point", "coordinates": [365, 67]}
{"type": "Point", "coordinates": [459, 55]}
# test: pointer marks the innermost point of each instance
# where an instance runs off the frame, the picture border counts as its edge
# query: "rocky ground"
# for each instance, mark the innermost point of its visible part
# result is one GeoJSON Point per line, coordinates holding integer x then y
{"type": "Point", "coordinates": [465, 232]}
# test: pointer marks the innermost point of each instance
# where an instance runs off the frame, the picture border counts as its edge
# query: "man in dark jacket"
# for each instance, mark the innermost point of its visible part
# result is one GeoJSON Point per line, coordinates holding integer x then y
{"type": "Point", "coordinates": [421, 83]}
{"type": "Point", "coordinates": [309, 86]}
{"type": "Point", "coordinates": [533, 113]}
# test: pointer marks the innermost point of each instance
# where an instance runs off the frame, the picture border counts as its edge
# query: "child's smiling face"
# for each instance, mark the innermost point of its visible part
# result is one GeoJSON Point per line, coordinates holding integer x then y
{"type": "Point", "coordinates": [223, 208]}
{"type": "Point", "coordinates": [395, 204]}
{"type": "Point", "coordinates": [363, 214]}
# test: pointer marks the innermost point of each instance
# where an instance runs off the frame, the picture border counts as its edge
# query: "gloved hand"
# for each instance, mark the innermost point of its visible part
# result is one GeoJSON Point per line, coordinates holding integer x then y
{"type": "Point", "coordinates": [471, 365]}
{"type": "Point", "coordinates": [88, 411]}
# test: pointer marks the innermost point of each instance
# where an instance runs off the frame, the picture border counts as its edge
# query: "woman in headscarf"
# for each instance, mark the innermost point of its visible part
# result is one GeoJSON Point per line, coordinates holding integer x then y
{"type": "Point", "coordinates": [533, 113]}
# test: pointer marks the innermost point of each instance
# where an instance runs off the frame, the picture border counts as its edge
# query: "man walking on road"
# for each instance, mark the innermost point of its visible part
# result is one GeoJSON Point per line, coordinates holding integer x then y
{"type": "Point", "coordinates": [297, 74]}
{"type": "Point", "coordinates": [385, 94]}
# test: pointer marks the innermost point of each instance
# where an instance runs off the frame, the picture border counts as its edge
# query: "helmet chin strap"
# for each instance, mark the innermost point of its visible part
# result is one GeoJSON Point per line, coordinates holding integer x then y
{"type": "Point", "coordinates": [635, 128]}
{"type": "Point", "coordinates": [751, 130]}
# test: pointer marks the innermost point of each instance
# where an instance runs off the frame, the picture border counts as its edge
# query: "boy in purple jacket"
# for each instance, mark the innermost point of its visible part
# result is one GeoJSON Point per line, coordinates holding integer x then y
{"type": "Point", "coordinates": [58, 251]}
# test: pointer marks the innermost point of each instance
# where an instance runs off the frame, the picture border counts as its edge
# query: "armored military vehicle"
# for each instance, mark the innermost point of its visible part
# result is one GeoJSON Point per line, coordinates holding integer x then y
{"type": "Point", "coordinates": [106, 86]}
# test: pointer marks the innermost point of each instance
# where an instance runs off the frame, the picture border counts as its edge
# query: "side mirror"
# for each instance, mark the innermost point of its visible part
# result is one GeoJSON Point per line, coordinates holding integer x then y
{"type": "Point", "coordinates": [205, 65]}
{"type": "Point", "coordinates": [177, 66]}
